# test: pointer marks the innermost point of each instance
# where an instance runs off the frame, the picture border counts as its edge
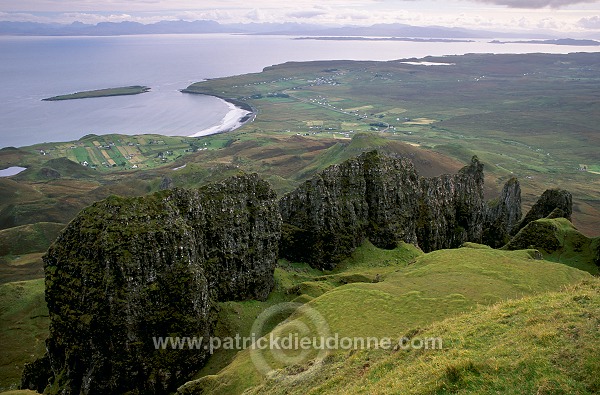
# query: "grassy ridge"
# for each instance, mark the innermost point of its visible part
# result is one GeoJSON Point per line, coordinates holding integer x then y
{"type": "Point", "coordinates": [559, 241]}
{"type": "Point", "coordinates": [543, 344]}
{"type": "Point", "coordinates": [121, 91]}
{"type": "Point", "coordinates": [411, 293]}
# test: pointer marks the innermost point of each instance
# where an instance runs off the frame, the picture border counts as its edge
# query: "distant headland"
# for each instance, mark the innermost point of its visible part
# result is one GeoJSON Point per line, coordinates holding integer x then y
{"type": "Point", "coordinates": [561, 41]}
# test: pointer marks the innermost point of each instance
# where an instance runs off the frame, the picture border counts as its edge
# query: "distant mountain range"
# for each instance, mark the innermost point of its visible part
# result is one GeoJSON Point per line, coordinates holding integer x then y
{"type": "Point", "coordinates": [204, 26]}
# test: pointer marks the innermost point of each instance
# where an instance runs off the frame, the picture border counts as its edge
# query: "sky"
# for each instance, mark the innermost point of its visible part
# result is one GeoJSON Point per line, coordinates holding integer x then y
{"type": "Point", "coordinates": [566, 16]}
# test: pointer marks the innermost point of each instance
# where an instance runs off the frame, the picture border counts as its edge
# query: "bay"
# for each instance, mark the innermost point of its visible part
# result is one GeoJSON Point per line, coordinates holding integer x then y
{"type": "Point", "coordinates": [34, 68]}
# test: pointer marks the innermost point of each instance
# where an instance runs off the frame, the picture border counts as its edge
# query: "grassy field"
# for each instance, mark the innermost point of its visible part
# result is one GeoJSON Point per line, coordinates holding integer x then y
{"type": "Point", "coordinates": [119, 152]}
{"type": "Point", "coordinates": [121, 91]}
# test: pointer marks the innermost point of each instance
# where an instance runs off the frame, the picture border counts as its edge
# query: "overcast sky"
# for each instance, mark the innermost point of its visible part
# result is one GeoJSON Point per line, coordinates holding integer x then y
{"type": "Point", "coordinates": [577, 16]}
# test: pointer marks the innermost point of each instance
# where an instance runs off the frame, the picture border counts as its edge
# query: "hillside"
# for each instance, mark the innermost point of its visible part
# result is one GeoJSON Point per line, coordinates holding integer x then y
{"type": "Point", "coordinates": [56, 190]}
{"type": "Point", "coordinates": [559, 241]}
{"type": "Point", "coordinates": [411, 294]}
{"type": "Point", "coordinates": [543, 344]}
{"type": "Point", "coordinates": [351, 207]}
{"type": "Point", "coordinates": [530, 116]}
{"type": "Point", "coordinates": [23, 328]}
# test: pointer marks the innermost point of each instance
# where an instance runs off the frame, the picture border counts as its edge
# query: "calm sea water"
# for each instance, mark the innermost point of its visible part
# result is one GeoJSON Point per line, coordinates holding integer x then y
{"type": "Point", "coordinates": [33, 68]}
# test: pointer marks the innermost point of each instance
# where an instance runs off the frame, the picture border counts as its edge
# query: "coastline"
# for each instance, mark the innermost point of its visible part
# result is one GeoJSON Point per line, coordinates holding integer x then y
{"type": "Point", "coordinates": [238, 115]}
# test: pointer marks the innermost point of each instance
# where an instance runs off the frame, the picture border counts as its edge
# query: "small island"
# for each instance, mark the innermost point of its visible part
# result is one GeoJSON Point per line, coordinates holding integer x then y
{"type": "Point", "coordinates": [121, 91]}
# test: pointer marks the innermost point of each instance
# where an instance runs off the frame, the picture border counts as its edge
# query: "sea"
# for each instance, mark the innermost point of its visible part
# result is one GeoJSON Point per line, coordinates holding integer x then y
{"type": "Point", "coordinates": [34, 68]}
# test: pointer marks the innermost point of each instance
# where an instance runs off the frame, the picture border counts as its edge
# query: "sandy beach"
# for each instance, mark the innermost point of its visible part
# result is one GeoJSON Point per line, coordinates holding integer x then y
{"type": "Point", "coordinates": [231, 121]}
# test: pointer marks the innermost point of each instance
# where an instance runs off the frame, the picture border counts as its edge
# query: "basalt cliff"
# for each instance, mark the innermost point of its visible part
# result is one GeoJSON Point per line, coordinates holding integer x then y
{"type": "Point", "coordinates": [383, 199]}
{"type": "Point", "coordinates": [127, 271]}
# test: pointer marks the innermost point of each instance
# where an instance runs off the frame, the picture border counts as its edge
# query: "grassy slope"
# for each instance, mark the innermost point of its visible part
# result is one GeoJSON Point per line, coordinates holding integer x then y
{"type": "Point", "coordinates": [299, 283]}
{"type": "Point", "coordinates": [23, 328]}
{"type": "Point", "coordinates": [27, 239]}
{"type": "Point", "coordinates": [559, 241]}
{"type": "Point", "coordinates": [420, 289]}
{"type": "Point", "coordinates": [543, 344]}
{"type": "Point", "coordinates": [21, 250]}
{"type": "Point", "coordinates": [431, 287]}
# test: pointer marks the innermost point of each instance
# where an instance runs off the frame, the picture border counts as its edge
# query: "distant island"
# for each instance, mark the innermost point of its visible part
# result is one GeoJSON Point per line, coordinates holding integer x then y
{"type": "Point", "coordinates": [560, 41]}
{"type": "Point", "coordinates": [121, 91]}
{"type": "Point", "coordinates": [411, 39]}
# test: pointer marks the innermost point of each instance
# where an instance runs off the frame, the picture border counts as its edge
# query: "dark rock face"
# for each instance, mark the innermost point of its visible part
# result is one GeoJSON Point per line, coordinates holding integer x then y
{"type": "Point", "coordinates": [503, 215]}
{"type": "Point", "coordinates": [127, 270]}
{"type": "Point", "coordinates": [166, 183]}
{"type": "Point", "coordinates": [451, 209]}
{"type": "Point", "coordinates": [384, 199]}
{"type": "Point", "coordinates": [550, 200]}
{"type": "Point", "coordinates": [327, 217]}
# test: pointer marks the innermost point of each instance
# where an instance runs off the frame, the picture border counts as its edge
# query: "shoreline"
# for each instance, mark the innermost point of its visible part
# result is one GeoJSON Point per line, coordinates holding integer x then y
{"type": "Point", "coordinates": [239, 114]}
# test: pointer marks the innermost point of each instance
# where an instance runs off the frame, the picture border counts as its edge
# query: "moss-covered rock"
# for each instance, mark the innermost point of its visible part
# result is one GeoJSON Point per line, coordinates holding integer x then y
{"type": "Point", "coordinates": [546, 205]}
{"type": "Point", "coordinates": [558, 240]}
{"type": "Point", "coordinates": [542, 235]}
{"type": "Point", "coordinates": [381, 198]}
{"type": "Point", "coordinates": [128, 270]}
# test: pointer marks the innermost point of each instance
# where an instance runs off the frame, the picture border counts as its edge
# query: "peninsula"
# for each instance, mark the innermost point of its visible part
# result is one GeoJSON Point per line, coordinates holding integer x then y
{"type": "Point", "coordinates": [121, 91]}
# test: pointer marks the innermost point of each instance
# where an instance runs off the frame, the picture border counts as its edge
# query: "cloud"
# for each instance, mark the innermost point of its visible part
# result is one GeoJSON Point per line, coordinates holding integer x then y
{"type": "Point", "coordinates": [592, 22]}
{"type": "Point", "coordinates": [255, 15]}
{"type": "Point", "coordinates": [306, 14]}
{"type": "Point", "coordinates": [214, 15]}
{"type": "Point", "coordinates": [536, 3]}
{"type": "Point", "coordinates": [23, 17]}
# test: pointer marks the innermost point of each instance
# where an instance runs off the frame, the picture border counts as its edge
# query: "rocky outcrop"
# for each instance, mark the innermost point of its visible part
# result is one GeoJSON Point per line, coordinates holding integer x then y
{"type": "Point", "coordinates": [550, 200]}
{"type": "Point", "coordinates": [544, 235]}
{"type": "Point", "coordinates": [451, 208]}
{"type": "Point", "coordinates": [129, 270]}
{"type": "Point", "coordinates": [330, 215]}
{"type": "Point", "coordinates": [557, 239]}
{"type": "Point", "coordinates": [384, 199]}
{"type": "Point", "coordinates": [503, 215]}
